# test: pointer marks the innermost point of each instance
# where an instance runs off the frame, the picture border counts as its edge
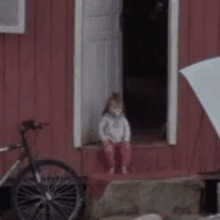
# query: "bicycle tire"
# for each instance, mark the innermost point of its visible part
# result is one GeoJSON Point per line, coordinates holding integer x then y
{"type": "Point", "coordinates": [43, 205]}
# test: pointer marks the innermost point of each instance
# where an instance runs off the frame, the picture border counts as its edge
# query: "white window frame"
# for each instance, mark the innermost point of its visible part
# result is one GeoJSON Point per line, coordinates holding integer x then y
{"type": "Point", "coordinates": [20, 28]}
{"type": "Point", "coordinates": [172, 72]}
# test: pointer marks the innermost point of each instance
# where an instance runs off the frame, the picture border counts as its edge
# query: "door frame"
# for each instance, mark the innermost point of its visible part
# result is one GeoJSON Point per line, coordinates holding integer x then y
{"type": "Point", "coordinates": [173, 26]}
{"type": "Point", "coordinates": [77, 79]}
{"type": "Point", "coordinates": [173, 71]}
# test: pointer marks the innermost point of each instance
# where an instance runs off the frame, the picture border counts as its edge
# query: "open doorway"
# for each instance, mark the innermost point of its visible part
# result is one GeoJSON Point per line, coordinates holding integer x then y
{"type": "Point", "coordinates": [209, 198]}
{"type": "Point", "coordinates": [98, 59]}
{"type": "Point", "coordinates": [145, 67]}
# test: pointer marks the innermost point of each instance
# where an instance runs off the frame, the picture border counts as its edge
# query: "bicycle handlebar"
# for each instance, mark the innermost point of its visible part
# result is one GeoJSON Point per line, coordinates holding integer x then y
{"type": "Point", "coordinates": [31, 124]}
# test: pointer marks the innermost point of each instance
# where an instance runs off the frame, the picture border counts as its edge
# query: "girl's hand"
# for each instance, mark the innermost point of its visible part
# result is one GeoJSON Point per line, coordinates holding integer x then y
{"type": "Point", "coordinates": [127, 144]}
{"type": "Point", "coordinates": [106, 142]}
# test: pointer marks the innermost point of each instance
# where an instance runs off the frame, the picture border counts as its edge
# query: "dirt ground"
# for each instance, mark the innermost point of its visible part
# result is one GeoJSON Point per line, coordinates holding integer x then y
{"type": "Point", "coordinates": [8, 215]}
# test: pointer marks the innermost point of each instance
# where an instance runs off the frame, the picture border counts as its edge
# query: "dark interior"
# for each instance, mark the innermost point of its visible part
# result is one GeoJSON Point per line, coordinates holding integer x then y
{"type": "Point", "coordinates": [209, 202]}
{"type": "Point", "coordinates": [145, 66]}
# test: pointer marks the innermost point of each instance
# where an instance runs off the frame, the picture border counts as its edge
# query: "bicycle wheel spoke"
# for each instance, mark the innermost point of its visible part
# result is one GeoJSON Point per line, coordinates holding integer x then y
{"type": "Point", "coordinates": [30, 197]}
{"type": "Point", "coordinates": [53, 213]}
{"type": "Point", "coordinates": [47, 181]}
{"type": "Point", "coordinates": [25, 207]}
{"type": "Point", "coordinates": [38, 214]}
{"type": "Point", "coordinates": [63, 204]}
{"type": "Point", "coordinates": [65, 196]}
{"type": "Point", "coordinates": [47, 212]}
{"type": "Point", "coordinates": [65, 214]}
{"type": "Point", "coordinates": [35, 186]}
{"type": "Point", "coordinates": [36, 205]}
{"type": "Point", "coordinates": [30, 210]}
{"type": "Point", "coordinates": [27, 191]}
{"type": "Point", "coordinates": [44, 178]}
{"type": "Point", "coordinates": [23, 201]}
{"type": "Point", "coordinates": [61, 187]}
{"type": "Point", "coordinates": [67, 184]}
{"type": "Point", "coordinates": [66, 192]}
{"type": "Point", "coordinates": [36, 211]}
{"type": "Point", "coordinates": [57, 213]}
{"type": "Point", "coordinates": [57, 184]}
{"type": "Point", "coordinates": [66, 200]}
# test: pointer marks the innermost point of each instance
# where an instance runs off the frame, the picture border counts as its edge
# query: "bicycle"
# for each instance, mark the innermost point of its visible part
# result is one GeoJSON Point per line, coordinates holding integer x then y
{"type": "Point", "coordinates": [38, 193]}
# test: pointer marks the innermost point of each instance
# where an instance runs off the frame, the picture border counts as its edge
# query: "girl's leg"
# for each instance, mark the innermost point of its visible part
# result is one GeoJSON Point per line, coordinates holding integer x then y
{"type": "Point", "coordinates": [126, 156]}
{"type": "Point", "coordinates": [110, 154]}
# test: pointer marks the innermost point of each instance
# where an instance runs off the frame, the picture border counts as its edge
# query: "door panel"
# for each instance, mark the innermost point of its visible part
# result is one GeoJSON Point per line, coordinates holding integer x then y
{"type": "Point", "coordinates": [101, 71]}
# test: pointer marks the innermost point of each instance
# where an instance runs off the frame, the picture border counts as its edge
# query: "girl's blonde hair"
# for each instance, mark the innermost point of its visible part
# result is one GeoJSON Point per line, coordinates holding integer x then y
{"type": "Point", "coordinates": [115, 97]}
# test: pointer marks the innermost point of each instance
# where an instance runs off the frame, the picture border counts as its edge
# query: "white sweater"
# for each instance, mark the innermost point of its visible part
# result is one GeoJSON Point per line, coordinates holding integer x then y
{"type": "Point", "coordinates": [116, 128]}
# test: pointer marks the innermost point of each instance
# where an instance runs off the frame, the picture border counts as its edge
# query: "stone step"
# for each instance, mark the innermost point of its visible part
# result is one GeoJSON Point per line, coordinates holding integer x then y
{"type": "Point", "coordinates": [186, 217]}
{"type": "Point", "coordinates": [99, 181]}
{"type": "Point", "coordinates": [172, 217]}
{"type": "Point", "coordinates": [138, 197]}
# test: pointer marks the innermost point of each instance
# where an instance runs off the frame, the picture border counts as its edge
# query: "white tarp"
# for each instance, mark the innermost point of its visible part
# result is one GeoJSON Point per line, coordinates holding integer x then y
{"type": "Point", "coordinates": [204, 78]}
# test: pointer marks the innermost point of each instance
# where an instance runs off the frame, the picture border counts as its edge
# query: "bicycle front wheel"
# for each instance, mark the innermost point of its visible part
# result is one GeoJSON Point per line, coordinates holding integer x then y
{"type": "Point", "coordinates": [50, 191]}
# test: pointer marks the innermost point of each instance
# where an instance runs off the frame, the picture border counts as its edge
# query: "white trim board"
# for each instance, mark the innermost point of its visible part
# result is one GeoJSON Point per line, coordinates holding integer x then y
{"type": "Point", "coordinates": [172, 72]}
{"type": "Point", "coordinates": [77, 127]}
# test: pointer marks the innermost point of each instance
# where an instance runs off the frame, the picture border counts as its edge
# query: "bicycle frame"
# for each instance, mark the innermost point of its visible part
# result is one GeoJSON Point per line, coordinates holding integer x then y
{"type": "Point", "coordinates": [47, 188]}
{"type": "Point", "coordinates": [26, 153]}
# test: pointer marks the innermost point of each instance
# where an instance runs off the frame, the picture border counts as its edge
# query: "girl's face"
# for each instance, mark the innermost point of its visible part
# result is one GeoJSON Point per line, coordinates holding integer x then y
{"type": "Point", "coordinates": [115, 109]}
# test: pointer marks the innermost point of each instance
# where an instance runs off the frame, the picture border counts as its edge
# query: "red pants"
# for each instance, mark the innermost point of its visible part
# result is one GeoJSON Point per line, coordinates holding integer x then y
{"type": "Point", "coordinates": [125, 151]}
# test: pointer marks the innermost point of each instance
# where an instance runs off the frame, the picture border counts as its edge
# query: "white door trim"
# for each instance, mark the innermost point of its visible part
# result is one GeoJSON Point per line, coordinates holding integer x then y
{"type": "Point", "coordinates": [172, 72]}
{"type": "Point", "coordinates": [77, 127]}
{"type": "Point", "coordinates": [173, 55]}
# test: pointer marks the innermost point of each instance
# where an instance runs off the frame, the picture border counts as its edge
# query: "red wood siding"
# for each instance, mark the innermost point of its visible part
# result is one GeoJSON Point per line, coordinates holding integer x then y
{"type": "Point", "coordinates": [198, 40]}
{"type": "Point", "coordinates": [36, 81]}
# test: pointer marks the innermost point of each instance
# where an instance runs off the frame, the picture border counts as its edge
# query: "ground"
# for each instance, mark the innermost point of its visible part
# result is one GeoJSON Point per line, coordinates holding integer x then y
{"type": "Point", "coordinates": [175, 199]}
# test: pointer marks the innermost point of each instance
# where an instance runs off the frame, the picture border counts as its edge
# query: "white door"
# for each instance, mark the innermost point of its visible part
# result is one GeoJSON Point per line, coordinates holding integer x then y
{"type": "Point", "coordinates": [101, 66]}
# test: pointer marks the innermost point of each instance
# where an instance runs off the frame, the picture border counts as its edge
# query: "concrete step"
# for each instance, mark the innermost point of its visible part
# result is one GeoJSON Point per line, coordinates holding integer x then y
{"type": "Point", "coordinates": [8, 214]}
{"type": "Point", "coordinates": [173, 217]}
{"type": "Point", "coordinates": [139, 197]}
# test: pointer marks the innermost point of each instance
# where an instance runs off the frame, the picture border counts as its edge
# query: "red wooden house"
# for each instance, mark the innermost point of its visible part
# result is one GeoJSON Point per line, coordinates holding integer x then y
{"type": "Point", "coordinates": [40, 79]}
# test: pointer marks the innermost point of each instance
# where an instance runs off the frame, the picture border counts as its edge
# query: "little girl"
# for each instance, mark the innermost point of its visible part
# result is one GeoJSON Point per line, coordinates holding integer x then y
{"type": "Point", "coordinates": [114, 129]}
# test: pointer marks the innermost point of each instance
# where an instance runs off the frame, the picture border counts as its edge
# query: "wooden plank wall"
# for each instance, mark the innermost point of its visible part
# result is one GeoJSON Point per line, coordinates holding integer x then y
{"type": "Point", "coordinates": [199, 39]}
{"type": "Point", "coordinates": [36, 81]}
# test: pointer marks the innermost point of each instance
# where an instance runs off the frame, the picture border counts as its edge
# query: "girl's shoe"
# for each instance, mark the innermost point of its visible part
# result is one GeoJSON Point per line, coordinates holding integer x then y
{"type": "Point", "coordinates": [124, 170]}
{"type": "Point", "coordinates": [112, 170]}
